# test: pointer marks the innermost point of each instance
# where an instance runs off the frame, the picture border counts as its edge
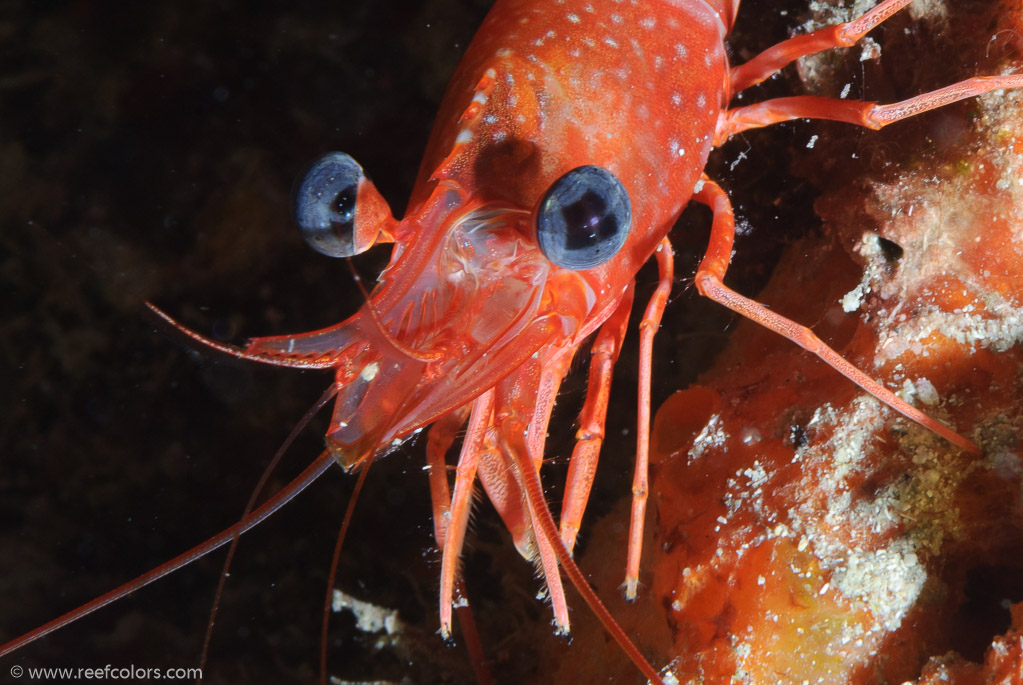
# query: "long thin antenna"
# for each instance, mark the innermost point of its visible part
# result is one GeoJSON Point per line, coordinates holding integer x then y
{"type": "Point", "coordinates": [332, 576]}
{"type": "Point", "coordinates": [534, 493]}
{"type": "Point", "coordinates": [299, 427]}
{"type": "Point", "coordinates": [285, 495]}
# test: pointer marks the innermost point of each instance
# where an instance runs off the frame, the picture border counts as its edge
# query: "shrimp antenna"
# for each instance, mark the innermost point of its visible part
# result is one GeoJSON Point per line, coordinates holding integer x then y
{"type": "Point", "coordinates": [534, 494]}
{"type": "Point", "coordinates": [217, 596]}
{"type": "Point", "coordinates": [283, 496]}
{"type": "Point", "coordinates": [335, 559]}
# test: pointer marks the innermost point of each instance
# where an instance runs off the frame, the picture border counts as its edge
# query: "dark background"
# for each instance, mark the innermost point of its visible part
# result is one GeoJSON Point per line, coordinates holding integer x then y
{"type": "Point", "coordinates": [147, 152]}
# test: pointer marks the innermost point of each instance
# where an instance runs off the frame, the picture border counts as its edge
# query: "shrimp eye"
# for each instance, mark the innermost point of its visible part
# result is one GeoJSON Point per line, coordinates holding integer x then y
{"type": "Point", "coordinates": [583, 218]}
{"type": "Point", "coordinates": [325, 204]}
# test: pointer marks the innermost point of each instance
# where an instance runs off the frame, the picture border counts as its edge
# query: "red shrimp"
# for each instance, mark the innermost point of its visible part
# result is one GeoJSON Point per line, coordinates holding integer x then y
{"type": "Point", "coordinates": [572, 136]}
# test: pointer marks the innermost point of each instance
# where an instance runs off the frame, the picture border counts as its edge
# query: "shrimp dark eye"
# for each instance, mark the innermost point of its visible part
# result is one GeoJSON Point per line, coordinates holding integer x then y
{"type": "Point", "coordinates": [325, 204]}
{"type": "Point", "coordinates": [583, 218]}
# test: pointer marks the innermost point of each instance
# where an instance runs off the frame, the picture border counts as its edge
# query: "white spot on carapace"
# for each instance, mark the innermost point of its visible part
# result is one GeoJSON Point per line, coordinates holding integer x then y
{"type": "Point", "coordinates": [498, 136]}
{"type": "Point", "coordinates": [490, 119]}
{"type": "Point", "coordinates": [369, 372]}
{"type": "Point", "coordinates": [464, 136]}
{"type": "Point", "coordinates": [648, 23]}
{"type": "Point", "coordinates": [676, 99]}
{"type": "Point", "coordinates": [701, 100]}
{"type": "Point", "coordinates": [574, 18]}
{"type": "Point", "coordinates": [611, 42]}
{"type": "Point", "coordinates": [589, 42]}
{"type": "Point", "coordinates": [658, 62]}
{"type": "Point", "coordinates": [680, 51]}
{"type": "Point", "coordinates": [616, 18]}
{"type": "Point", "coordinates": [480, 98]}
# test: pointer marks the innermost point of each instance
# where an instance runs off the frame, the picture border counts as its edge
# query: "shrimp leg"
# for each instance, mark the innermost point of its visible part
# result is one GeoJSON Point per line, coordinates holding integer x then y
{"type": "Point", "coordinates": [438, 441]}
{"type": "Point", "coordinates": [536, 436]}
{"type": "Point", "coordinates": [709, 281]}
{"type": "Point", "coordinates": [647, 328]}
{"type": "Point", "coordinates": [583, 466]}
{"type": "Point", "coordinates": [867, 114]}
{"type": "Point", "coordinates": [843, 35]}
{"type": "Point", "coordinates": [479, 420]}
